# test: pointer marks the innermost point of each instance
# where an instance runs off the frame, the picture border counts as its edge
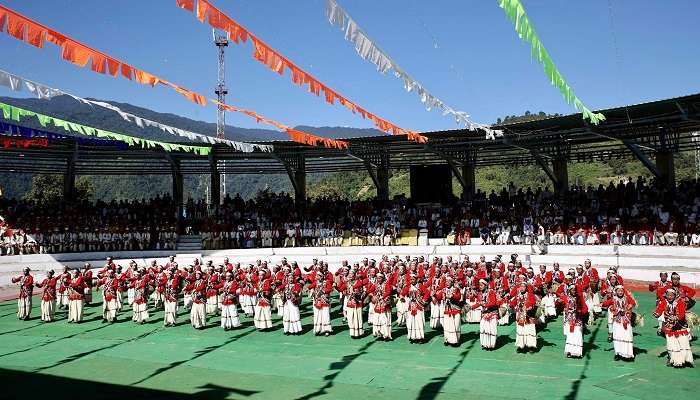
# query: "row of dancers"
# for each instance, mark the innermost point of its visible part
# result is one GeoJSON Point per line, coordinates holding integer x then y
{"type": "Point", "coordinates": [447, 292]}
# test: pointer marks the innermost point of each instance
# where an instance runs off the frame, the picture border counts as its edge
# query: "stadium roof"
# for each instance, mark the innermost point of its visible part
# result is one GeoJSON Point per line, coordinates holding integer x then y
{"type": "Point", "coordinates": [648, 127]}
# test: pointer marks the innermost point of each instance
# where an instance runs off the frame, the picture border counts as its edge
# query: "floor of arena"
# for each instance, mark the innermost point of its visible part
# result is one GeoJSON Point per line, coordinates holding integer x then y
{"type": "Point", "coordinates": [127, 361]}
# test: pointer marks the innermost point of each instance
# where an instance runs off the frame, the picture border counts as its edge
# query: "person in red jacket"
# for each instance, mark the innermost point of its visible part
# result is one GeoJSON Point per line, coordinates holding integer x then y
{"type": "Point", "coordinates": [171, 295]}
{"type": "Point", "coordinates": [354, 290]}
{"type": "Point", "coordinates": [621, 306]}
{"type": "Point", "coordinates": [321, 295]}
{"type": "Point", "coordinates": [229, 306]}
{"type": "Point", "coordinates": [523, 303]}
{"type": "Point", "coordinates": [110, 287]}
{"type": "Point", "coordinates": [291, 295]}
{"type": "Point", "coordinates": [659, 287]}
{"type": "Point", "coordinates": [198, 288]}
{"type": "Point", "coordinates": [24, 300]}
{"type": "Point", "coordinates": [87, 282]}
{"type": "Point", "coordinates": [451, 296]}
{"type": "Point", "coordinates": [418, 296]}
{"type": "Point", "coordinates": [675, 328]}
{"type": "Point", "coordinates": [684, 292]}
{"type": "Point", "coordinates": [141, 294]}
{"type": "Point", "coordinates": [214, 284]}
{"type": "Point", "coordinates": [63, 289]}
{"type": "Point", "coordinates": [575, 313]}
{"type": "Point", "coordinates": [75, 298]}
{"type": "Point", "coordinates": [488, 327]}
{"type": "Point", "coordinates": [48, 296]}
{"type": "Point", "coordinates": [380, 293]}
{"type": "Point", "coordinates": [262, 297]}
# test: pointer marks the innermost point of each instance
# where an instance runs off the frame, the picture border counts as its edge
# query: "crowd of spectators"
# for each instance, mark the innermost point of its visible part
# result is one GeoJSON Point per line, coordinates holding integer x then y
{"type": "Point", "coordinates": [631, 212]}
{"type": "Point", "coordinates": [27, 227]}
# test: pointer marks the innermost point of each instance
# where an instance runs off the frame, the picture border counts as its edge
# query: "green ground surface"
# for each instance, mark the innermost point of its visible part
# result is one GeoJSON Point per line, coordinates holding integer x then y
{"type": "Point", "coordinates": [124, 360]}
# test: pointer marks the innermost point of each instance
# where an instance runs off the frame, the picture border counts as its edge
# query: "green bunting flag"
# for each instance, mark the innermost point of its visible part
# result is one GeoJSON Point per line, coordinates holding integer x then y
{"type": "Point", "coordinates": [17, 114]}
{"type": "Point", "coordinates": [516, 13]}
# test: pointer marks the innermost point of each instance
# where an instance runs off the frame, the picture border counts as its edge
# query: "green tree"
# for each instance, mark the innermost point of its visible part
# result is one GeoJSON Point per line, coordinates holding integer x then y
{"type": "Point", "coordinates": [48, 188]}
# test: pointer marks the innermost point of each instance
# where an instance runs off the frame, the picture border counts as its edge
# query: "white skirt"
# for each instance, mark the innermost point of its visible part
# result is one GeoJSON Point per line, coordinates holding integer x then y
{"type": "Point", "coordinates": [574, 341]}
{"type": "Point", "coordinates": [415, 325]}
{"type": "Point", "coordinates": [198, 315]}
{"type": "Point", "coordinates": [213, 305]}
{"type": "Point", "coordinates": [549, 304]}
{"type": "Point", "coordinates": [623, 340]}
{"type": "Point", "coordinates": [679, 350]}
{"type": "Point", "coordinates": [525, 336]}
{"type": "Point", "coordinates": [488, 331]}
{"type": "Point", "coordinates": [130, 294]}
{"type": "Point", "coordinates": [157, 297]}
{"type": "Point", "coordinates": [435, 315]}
{"type": "Point", "coordinates": [24, 307]}
{"type": "Point", "coordinates": [109, 309]}
{"type": "Point", "coordinates": [382, 325]}
{"type": "Point", "coordinates": [187, 300]}
{"type": "Point", "coordinates": [48, 310]}
{"type": "Point", "coordinates": [322, 320]}
{"type": "Point", "coordinates": [472, 316]}
{"type": "Point", "coordinates": [595, 301]}
{"type": "Point", "coordinates": [118, 298]}
{"type": "Point", "coordinates": [291, 320]}
{"type": "Point", "coordinates": [229, 316]}
{"type": "Point", "coordinates": [505, 319]}
{"type": "Point", "coordinates": [140, 312]}
{"type": "Point", "coordinates": [355, 322]}
{"type": "Point", "coordinates": [170, 316]}
{"type": "Point", "coordinates": [75, 310]}
{"type": "Point", "coordinates": [370, 314]}
{"type": "Point", "coordinates": [278, 303]}
{"type": "Point", "coordinates": [263, 317]}
{"type": "Point", "coordinates": [401, 309]}
{"type": "Point", "coordinates": [452, 328]}
{"type": "Point", "coordinates": [63, 299]}
{"type": "Point", "coordinates": [247, 303]}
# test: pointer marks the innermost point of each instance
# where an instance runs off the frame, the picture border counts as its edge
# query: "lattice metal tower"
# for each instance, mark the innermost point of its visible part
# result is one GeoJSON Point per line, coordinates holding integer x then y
{"type": "Point", "coordinates": [696, 141]}
{"type": "Point", "coordinates": [221, 42]}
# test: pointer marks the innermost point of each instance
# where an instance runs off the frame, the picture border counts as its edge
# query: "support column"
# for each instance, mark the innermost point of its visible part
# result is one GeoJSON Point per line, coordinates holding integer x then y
{"type": "Point", "coordinates": [560, 167]}
{"type": "Point", "coordinates": [69, 182]}
{"type": "Point", "coordinates": [178, 191]}
{"type": "Point", "coordinates": [383, 183]}
{"type": "Point", "coordinates": [469, 176]}
{"type": "Point", "coordinates": [666, 167]}
{"type": "Point", "coordinates": [214, 181]}
{"type": "Point", "coordinates": [300, 182]}
{"type": "Point", "coordinates": [69, 177]}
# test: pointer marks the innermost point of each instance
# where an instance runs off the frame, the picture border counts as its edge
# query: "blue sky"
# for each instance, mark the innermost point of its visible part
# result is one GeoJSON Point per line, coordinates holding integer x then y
{"type": "Point", "coordinates": [465, 52]}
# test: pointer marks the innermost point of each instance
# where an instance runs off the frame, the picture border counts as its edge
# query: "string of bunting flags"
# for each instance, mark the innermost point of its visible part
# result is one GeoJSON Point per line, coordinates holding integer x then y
{"type": "Point", "coordinates": [368, 50]}
{"type": "Point", "coordinates": [17, 114]}
{"type": "Point", "coordinates": [516, 13]}
{"type": "Point", "coordinates": [34, 33]}
{"type": "Point", "coordinates": [29, 133]}
{"type": "Point", "coordinates": [41, 91]}
{"type": "Point", "coordinates": [278, 63]}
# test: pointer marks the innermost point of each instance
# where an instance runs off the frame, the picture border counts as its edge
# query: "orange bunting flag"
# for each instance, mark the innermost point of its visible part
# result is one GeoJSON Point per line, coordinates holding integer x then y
{"type": "Point", "coordinates": [277, 62]}
{"type": "Point", "coordinates": [313, 140]}
{"type": "Point", "coordinates": [186, 4]}
{"type": "Point", "coordinates": [295, 135]}
{"type": "Point", "coordinates": [79, 54]}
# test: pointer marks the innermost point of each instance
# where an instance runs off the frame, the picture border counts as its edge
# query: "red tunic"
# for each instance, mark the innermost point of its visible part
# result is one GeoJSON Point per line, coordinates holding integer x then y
{"type": "Point", "coordinates": [49, 286]}
{"type": "Point", "coordinates": [26, 285]}
{"type": "Point", "coordinates": [77, 288]}
{"type": "Point", "coordinates": [110, 286]}
{"type": "Point", "coordinates": [229, 291]}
